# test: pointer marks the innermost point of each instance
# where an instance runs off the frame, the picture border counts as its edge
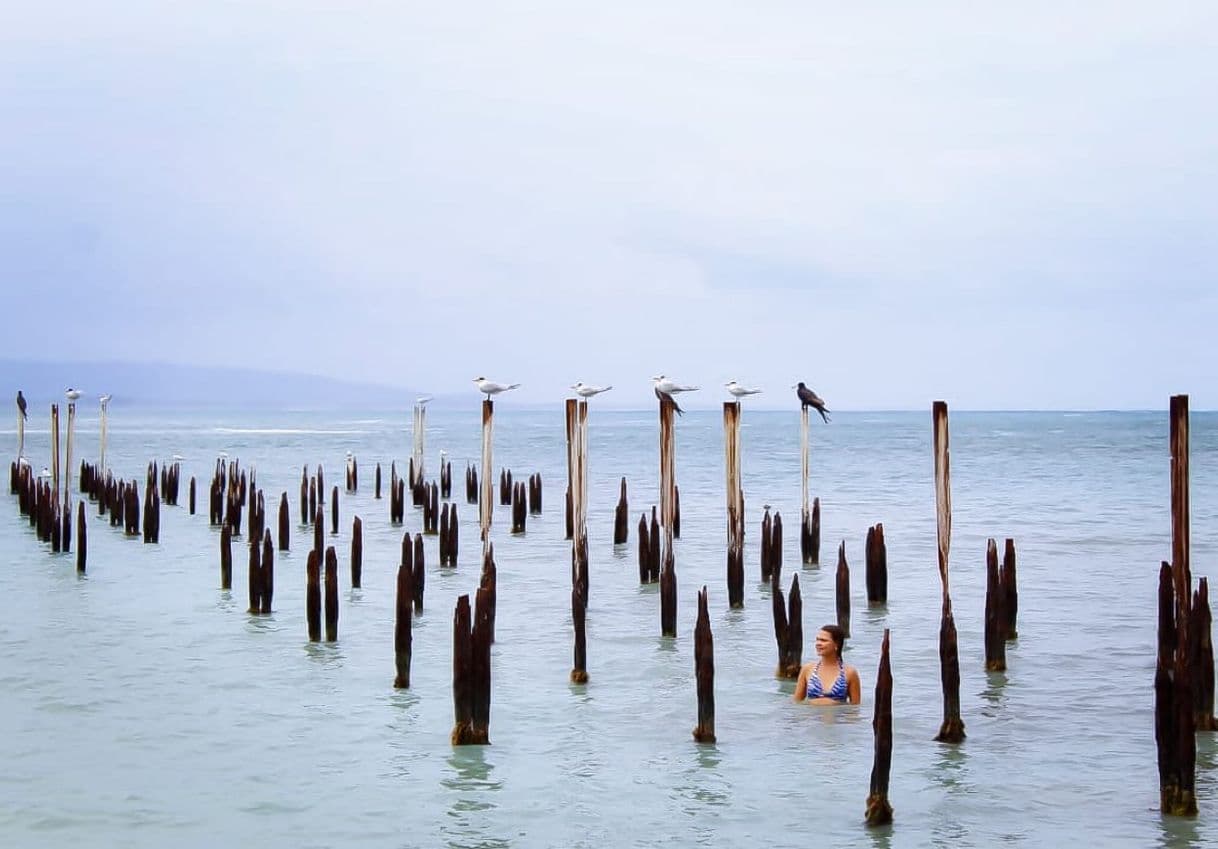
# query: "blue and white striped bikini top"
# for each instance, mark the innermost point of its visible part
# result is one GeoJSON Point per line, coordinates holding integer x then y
{"type": "Point", "coordinates": [837, 692]}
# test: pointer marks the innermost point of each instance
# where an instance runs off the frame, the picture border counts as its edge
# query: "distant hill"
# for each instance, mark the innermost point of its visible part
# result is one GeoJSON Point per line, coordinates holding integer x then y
{"type": "Point", "coordinates": [163, 384]}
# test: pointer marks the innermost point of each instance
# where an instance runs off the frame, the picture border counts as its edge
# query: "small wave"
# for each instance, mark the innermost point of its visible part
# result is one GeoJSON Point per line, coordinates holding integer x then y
{"type": "Point", "coordinates": [285, 431]}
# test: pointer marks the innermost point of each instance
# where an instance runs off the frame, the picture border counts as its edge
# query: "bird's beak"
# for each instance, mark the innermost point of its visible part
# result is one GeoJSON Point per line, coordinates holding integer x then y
{"type": "Point", "coordinates": [794, 385]}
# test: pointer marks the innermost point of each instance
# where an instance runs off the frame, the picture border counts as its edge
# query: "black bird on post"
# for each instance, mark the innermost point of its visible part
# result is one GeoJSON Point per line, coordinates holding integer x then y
{"type": "Point", "coordinates": [808, 398]}
{"type": "Point", "coordinates": [21, 406]}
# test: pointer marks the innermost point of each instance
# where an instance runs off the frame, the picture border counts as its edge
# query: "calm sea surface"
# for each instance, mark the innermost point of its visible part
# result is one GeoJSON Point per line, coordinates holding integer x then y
{"type": "Point", "coordinates": [142, 706]}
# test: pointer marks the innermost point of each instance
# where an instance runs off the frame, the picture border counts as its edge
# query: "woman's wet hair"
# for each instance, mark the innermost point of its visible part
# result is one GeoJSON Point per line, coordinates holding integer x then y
{"type": "Point", "coordinates": [839, 637]}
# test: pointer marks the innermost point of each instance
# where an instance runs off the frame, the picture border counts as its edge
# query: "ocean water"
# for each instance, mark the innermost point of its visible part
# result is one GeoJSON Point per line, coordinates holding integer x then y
{"type": "Point", "coordinates": [140, 705]}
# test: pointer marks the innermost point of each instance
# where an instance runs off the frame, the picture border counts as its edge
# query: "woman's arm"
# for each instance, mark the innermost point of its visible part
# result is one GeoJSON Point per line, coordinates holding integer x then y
{"type": "Point", "coordinates": [853, 687]}
{"type": "Point", "coordinates": [801, 685]}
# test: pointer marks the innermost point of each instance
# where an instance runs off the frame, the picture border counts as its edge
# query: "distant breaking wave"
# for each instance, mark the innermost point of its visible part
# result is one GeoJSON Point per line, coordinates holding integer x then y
{"type": "Point", "coordinates": [285, 431]}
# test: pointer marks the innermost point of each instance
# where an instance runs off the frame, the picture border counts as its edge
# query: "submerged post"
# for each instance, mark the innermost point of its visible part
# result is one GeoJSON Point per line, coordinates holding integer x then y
{"type": "Point", "coordinates": [952, 729]}
{"type": "Point", "coordinates": [995, 614]}
{"type": "Point", "coordinates": [621, 518]}
{"type": "Point", "coordinates": [879, 810]}
{"type": "Point", "coordinates": [877, 565]}
{"type": "Point", "coordinates": [402, 636]}
{"type": "Point", "coordinates": [735, 504]}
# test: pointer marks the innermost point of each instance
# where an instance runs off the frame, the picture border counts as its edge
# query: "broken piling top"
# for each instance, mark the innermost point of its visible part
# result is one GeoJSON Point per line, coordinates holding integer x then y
{"type": "Point", "coordinates": [943, 492]}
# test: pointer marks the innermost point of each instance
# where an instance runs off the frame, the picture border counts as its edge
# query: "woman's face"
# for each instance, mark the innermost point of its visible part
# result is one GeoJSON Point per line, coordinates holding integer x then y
{"type": "Point", "coordinates": [825, 647]}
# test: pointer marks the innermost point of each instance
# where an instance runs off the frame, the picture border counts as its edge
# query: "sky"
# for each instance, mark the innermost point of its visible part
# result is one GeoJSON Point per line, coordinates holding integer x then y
{"type": "Point", "coordinates": [1006, 207]}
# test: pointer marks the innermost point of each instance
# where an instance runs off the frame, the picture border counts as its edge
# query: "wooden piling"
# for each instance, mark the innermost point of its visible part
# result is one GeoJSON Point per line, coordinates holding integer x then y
{"type": "Point", "coordinates": [67, 464]}
{"type": "Point", "coordinates": [995, 620]}
{"type": "Point", "coordinates": [1009, 590]}
{"type": "Point", "coordinates": [486, 507]}
{"type": "Point", "coordinates": [254, 576]}
{"type": "Point", "coordinates": [668, 463]}
{"type": "Point", "coordinates": [334, 512]}
{"type": "Point", "coordinates": [676, 510]}
{"type": "Point", "coordinates": [843, 591]}
{"type": "Point", "coordinates": [809, 520]}
{"type": "Point", "coordinates": [668, 589]}
{"type": "Point", "coordinates": [226, 558]}
{"type": "Point", "coordinates": [788, 617]}
{"type": "Point", "coordinates": [776, 546]}
{"type": "Point", "coordinates": [319, 532]}
{"type": "Point", "coordinates": [767, 524]}
{"type": "Point", "coordinates": [357, 551]}
{"type": "Point", "coordinates": [82, 543]}
{"type": "Point", "coordinates": [879, 809]}
{"type": "Point", "coordinates": [285, 533]}
{"type": "Point", "coordinates": [876, 554]}
{"type": "Point", "coordinates": [621, 518]}
{"type": "Point", "coordinates": [268, 572]}
{"type": "Point", "coordinates": [192, 495]}
{"type": "Point", "coordinates": [644, 554]}
{"type": "Point", "coordinates": [579, 612]}
{"type": "Point", "coordinates": [331, 594]}
{"type": "Point", "coordinates": [735, 504]}
{"type": "Point", "coordinates": [809, 535]}
{"type": "Point", "coordinates": [420, 578]}
{"type": "Point", "coordinates": [463, 674]}
{"type": "Point", "coordinates": [402, 636]}
{"type": "Point", "coordinates": [655, 549]}
{"type": "Point", "coordinates": [704, 672]}
{"type": "Point", "coordinates": [1201, 656]}
{"type": "Point", "coordinates": [952, 729]}
{"type": "Point", "coordinates": [377, 483]}
{"type": "Point", "coordinates": [1175, 685]}
{"type": "Point", "coordinates": [321, 486]}
{"type": "Point", "coordinates": [419, 432]}
{"type": "Point", "coordinates": [488, 587]}
{"type": "Point", "coordinates": [313, 596]}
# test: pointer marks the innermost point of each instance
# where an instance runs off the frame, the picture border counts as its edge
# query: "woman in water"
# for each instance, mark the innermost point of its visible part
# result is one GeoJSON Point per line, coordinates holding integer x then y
{"type": "Point", "coordinates": [828, 681]}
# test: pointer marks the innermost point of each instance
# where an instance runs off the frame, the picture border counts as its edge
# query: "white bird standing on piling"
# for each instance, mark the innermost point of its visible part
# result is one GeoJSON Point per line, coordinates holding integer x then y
{"type": "Point", "coordinates": [490, 388]}
{"type": "Point", "coordinates": [584, 390]}
{"type": "Point", "coordinates": [71, 394]}
{"type": "Point", "coordinates": [104, 399]}
{"type": "Point", "coordinates": [737, 391]}
{"type": "Point", "coordinates": [422, 400]}
{"type": "Point", "coordinates": [665, 388]}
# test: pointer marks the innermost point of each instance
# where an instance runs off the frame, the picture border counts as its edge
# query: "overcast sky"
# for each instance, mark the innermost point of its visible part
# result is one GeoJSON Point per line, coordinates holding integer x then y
{"type": "Point", "coordinates": [896, 202]}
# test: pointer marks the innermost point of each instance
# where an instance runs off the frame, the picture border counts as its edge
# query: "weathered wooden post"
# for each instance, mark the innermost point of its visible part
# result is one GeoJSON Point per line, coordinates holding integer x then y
{"type": "Point", "coordinates": [654, 548]}
{"type": "Point", "coordinates": [488, 585]}
{"type": "Point", "coordinates": [735, 504]}
{"type": "Point", "coordinates": [419, 430]}
{"type": "Point", "coordinates": [192, 495]}
{"type": "Point", "coordinates": [952, 729]}
{"type": "Point", "coordinates": [486, 505]}
{"type": "Point", "coordinates": [995, 619]}
{"type": "Point", "coordinates": [1009, 590]}
{"type": "Point", "coordinates": [471, 673]}
{"type": "Point", "coordinates": [331, 595]}
{"type": "Point", "coordinates": [285, 532]}
{"type": "Point", "coordinates": [577, 486]}
{"type": "Point", "coordinates": [809, 536]}
{"type": "Point", "coordinates": [776, 546]}
{"type": "Point", "coordinates": [420, 576]}
{"type": "Point", "coordinates": [704, 672]}
{"type": "Point", "coordinates": [805, 515]}
{"type": "Point", "coordinates": [767, 525]}
{"type": "Point", "coordinates": [621, 518]}
{"type": "Point", "coordinates": [83, 543]}
{"type": "Point", "coordinates": [579, 613]}
{"type": "Point", "coordinates": [644, 553]}
{"type": "Point", "coordinates": [668, 464]}
{"type": "Point", "coordinates": [313, 596]}
{"type": "Point", "coordinates": [254, 576]}
{"type": "Point", "coordinates": [376, 479]}
{"type": "Point", "coordinates": [319, 533]}
{"type": "Point", "coordinates": [402, 638]}
{"type": "Point", "coordinates": [55, 451]}
{"type": "Point", "coordinates": [334, 512]}
{"type": "Point", "coordinates": [843, 590]}
{"type": "Point", "coordinates": [67, 467]}
{"type": "Point", "coordinates": [21, 414]}
{"type": "Point", "coordinates": [226, 557]}
{"type": "Point", "coordinates": [321, 486]}
{"type": "Point", "coordinates": [1201, 653]}
{"type": "Point", "coordinates": [105, 415]}
{"type": "Point", "coordinates": [788, 627]}
{"type": "Point", "coordinates": [876, 554]}
{"type": "Point", "coordinates": [1175, 687]}
{"type": "Point", "coordinates": [879, 810]}
{"type": "Point", "coordinates": [268, 571]}
{"type": "Point", "coordinates": [668, 589]}
{"type": "Point", "coordinates": [357, 551]}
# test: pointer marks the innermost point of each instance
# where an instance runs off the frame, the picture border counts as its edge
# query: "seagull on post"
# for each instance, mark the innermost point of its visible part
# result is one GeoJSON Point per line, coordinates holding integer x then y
{"type": "Point", "coordinates": [71, 394]}
{"type": "Point", "coordinates": [490, 388]}
{"type": "Point", "coordinates": [808, 398]}
{"type": "Point", "coordinates": [584, 390]}
{"type": "Point", "coordinates": [737, 391]}
{"type": "Point", "coordinates": [666, 388]}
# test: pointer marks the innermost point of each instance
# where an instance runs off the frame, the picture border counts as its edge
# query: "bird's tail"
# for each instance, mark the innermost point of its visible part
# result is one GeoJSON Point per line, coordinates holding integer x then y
{"type": "Point", "coordinates": [823, 411]}
{"type": "Point", "coordinates": [607, 388]}
{"type": "Point", "coordinates": [514, 386]}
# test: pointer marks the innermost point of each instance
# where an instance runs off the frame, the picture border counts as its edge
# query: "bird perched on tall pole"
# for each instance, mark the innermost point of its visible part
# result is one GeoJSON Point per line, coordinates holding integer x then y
{"type": "Point", "coordinates": [665, 388]}
{"type": "Point", "coordinates": [737, 391]}
{"type": "Point", "coordinates": [71, 394]}
{"type": "Point", "coordinates": [584, 390]}
{"type": "Point", "coordinates": [490, 388]}
{"type": "Point", "coordinates": [21, 406]}
{"type": "Point", "coordinates": [808, 398]}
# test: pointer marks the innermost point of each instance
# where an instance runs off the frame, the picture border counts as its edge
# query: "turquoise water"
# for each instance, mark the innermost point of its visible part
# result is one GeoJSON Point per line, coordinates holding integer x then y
{"type": "Point", "coordinates": [142, 706]}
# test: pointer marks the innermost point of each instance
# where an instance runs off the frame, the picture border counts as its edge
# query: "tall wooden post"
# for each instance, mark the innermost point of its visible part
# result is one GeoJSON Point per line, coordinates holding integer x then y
{"type": "Point", "coordinates": [104, 425]}
{"type": "Point", "coordinates": [879, 810]}
{"type": "Point", "coordinates": [952, 729]}
{"type": "Point", "coordinates": [668, 463]}
{"type": "Point", "coordinates": [486, 503]}
{"type": "Point", "coordinates": [67, 461]}
{"type": "Point", "coordinates": [809, 525]}
{"type": "Point", "coordinates": [735, 504]}
{"type": "Point", "coordinates": [21, 435]}
{"type": "Point", "coordinates": [420, 425]}
{"type": "Point", "coordinates": [55, 451]}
